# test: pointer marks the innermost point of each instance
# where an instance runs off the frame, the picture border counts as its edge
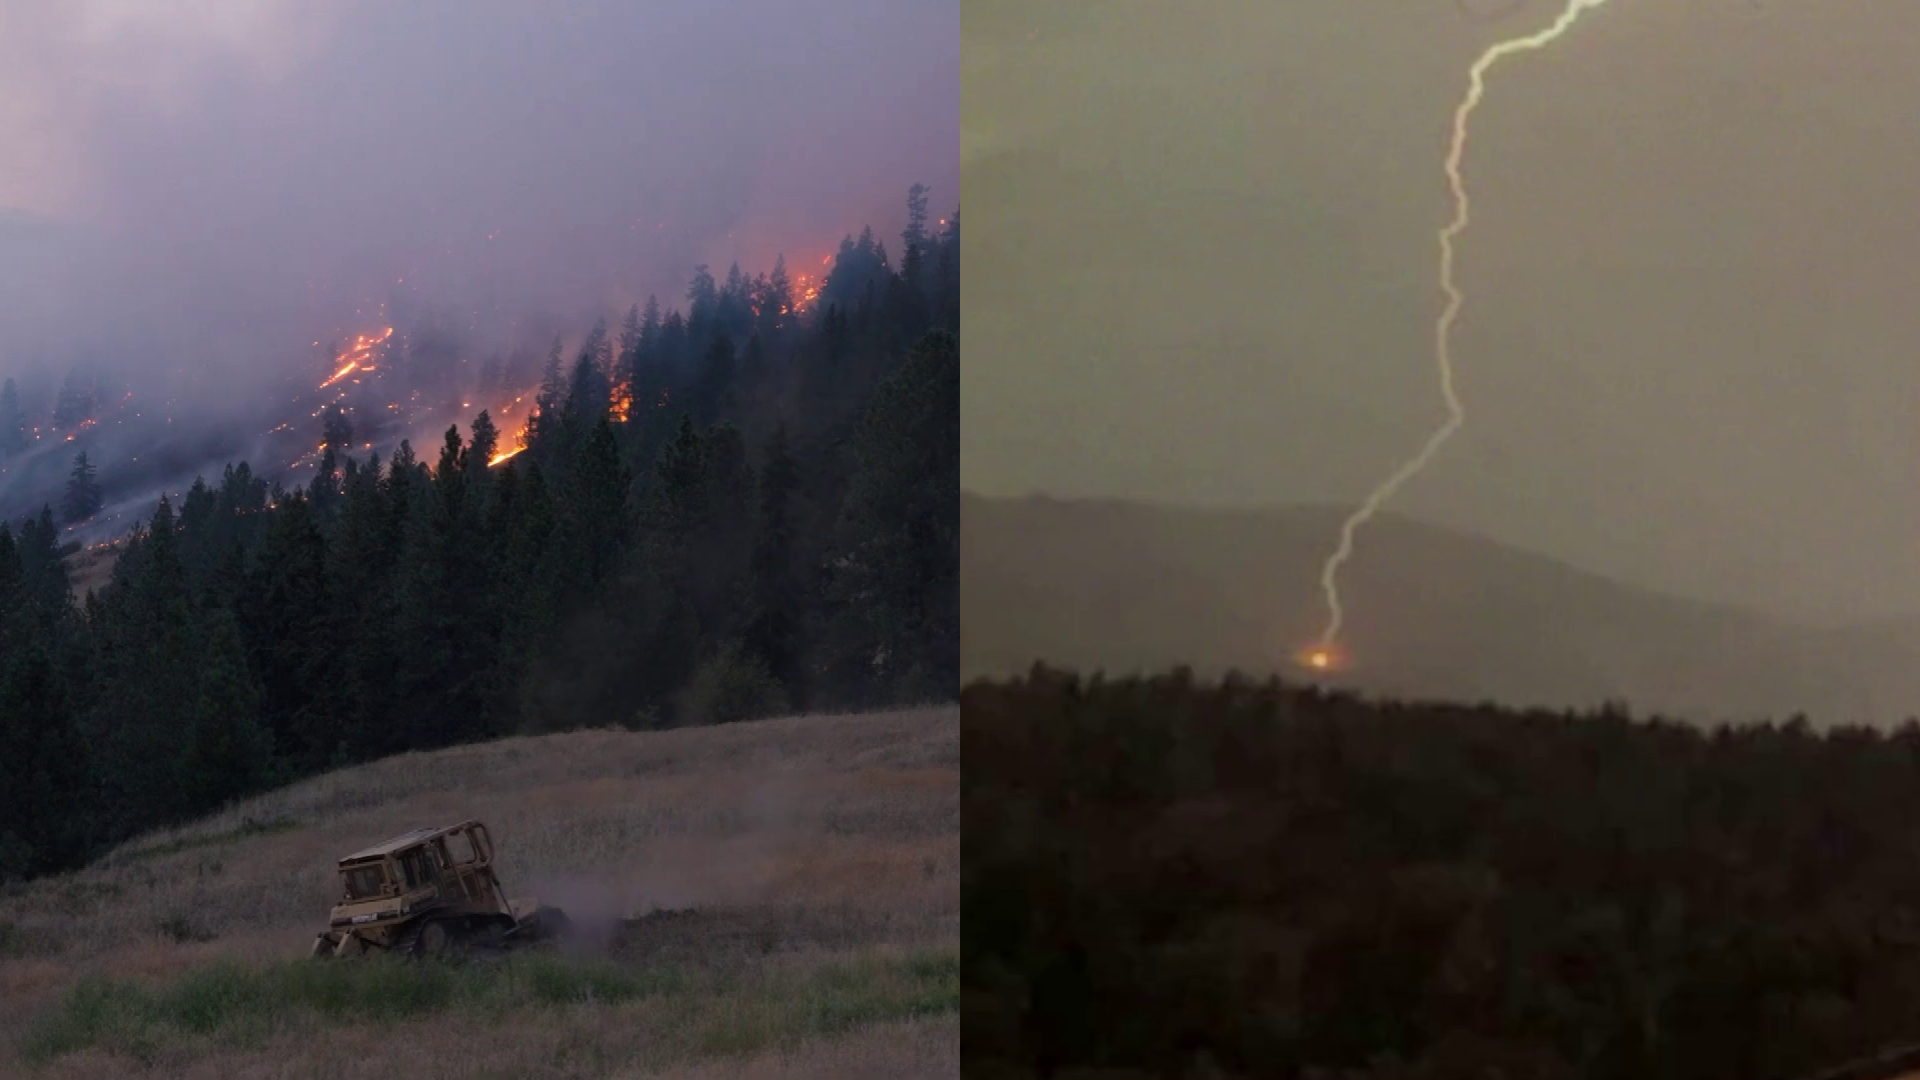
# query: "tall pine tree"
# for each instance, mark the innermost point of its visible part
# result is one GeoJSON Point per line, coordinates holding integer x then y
{"type": "Point", "coordinates": [13, 425]}
{"type": "Point", "coordinates": [83, 497]}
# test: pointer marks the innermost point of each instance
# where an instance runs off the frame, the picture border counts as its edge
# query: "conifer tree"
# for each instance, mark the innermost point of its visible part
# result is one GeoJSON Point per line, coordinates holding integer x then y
{"type": "Point", "coordinates": [544, 419]}
{"type": "Point", "coordinates": [43, 570]}
{"type": "Point", "coordinates": [286, 622]}
{"type": "Point", "coordinates": [772, 631]}
{"type": "Point", "coordinates": [904, 502]}
{"type": "Point", "coordinates": [913, 239]}
{"type": "Point", "coordinates": [336, 429]}
{"type": "Point", "coordinates": [76, 401]}
{"type": "Point", "coordinates": [713, 393]}
{"type": "Point", "coordinates": [776, 306]}
{"type": "Point", "coordinates": [703, 301]}
{"type": "Point", "coordinates": [482, 444]}
{"type": "Point", "coordinates": [13, 425]}
{"type": "Point", "coordinates": [599, 502]}
{"type": "Point", "coordinates": [83, 491]}
{"type": "Point", "coordinates": [44, 779]}
{"type": "Point", "coordinates": [229, 753]}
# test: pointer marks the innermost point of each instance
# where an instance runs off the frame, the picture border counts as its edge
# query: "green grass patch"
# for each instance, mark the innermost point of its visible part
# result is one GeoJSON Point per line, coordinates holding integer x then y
{"type": "Point", "coordinates": [556, 982]}
{"type": "Point", "coordinates": [247, 827]}
{"type": "Point", "coordinates": [228, 1004]}
{"type": "Point", "coordinates": [832, 999]}
{"type": "Point", "coordinates": [233, 1004]}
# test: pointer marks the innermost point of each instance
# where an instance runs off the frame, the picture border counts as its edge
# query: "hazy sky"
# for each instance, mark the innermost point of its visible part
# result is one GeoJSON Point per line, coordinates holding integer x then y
{"type": "Point", "coordinates": [201, 180]}
{"type": "Point", "coordinates": [1202, 268]}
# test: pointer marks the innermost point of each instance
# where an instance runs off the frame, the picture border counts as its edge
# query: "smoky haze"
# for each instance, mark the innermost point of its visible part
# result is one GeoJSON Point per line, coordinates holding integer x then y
{"type": "Point", "coordinates": [206, 199]}
{"type": "Point", "coordinates": [1205, 271]}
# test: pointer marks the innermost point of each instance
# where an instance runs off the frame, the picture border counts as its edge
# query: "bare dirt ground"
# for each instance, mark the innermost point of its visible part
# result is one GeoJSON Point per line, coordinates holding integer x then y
{"type": "Point", "coordinates": [770, 899]}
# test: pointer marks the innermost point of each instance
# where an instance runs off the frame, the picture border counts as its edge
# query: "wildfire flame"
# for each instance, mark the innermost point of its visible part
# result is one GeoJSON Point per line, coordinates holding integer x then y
{"type": "Point", "coordinates": [358, 356]}
{"type": "Point", "coordinates": [622, 402]}
{"type": "Point", "coordinates": [358, 376]}
{"type": "Point", "coordinates": [806, 289]}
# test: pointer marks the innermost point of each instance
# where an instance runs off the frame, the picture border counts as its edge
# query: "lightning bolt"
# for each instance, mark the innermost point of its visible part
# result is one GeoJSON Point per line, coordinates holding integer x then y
{"type": "Point", "coordinates": [1320, 656]}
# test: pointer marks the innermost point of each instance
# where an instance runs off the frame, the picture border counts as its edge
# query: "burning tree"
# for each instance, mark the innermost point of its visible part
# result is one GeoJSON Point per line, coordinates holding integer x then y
{"type": "Point", "coordinates": [83, 493]}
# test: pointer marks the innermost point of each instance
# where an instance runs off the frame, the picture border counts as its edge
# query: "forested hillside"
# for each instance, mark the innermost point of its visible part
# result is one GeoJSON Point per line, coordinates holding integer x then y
{"type": "Point", "coordinates": [719, 511]}
{"type": "Point", "coordinates": [1166, 878]}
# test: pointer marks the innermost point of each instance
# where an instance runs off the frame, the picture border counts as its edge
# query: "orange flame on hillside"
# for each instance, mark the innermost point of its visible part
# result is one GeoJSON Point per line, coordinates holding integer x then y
{"type": "Point", "coordinates": [358, 356]}
{"type": "Point", "coordinates": [359, 372]}
{"type": "Point", "coordinates": [621, 404]}
{"type": "Point", "coordinates": [806, 289]}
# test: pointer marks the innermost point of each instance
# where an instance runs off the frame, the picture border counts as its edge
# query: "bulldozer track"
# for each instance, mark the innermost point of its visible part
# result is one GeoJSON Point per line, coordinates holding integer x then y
{"type": "Point", "coordinates": [408, 944]}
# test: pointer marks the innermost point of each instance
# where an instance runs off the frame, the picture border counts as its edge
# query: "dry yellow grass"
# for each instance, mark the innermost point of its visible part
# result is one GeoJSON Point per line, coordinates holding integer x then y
{"type": "Point", "coordinates": [90, 569]}
{"type": "Point", "coordinates": [806, 847]}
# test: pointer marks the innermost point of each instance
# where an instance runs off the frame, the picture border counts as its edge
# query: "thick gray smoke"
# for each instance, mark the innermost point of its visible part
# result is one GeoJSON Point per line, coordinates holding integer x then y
{"type": "Point", "coordinates": [203, 200]}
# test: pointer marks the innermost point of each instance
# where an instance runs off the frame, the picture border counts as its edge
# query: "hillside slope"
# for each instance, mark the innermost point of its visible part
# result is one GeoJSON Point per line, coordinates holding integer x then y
{"type": "Point", "coordinates": [1125, 587]}
{"type": "Point", "coordinates": [791, 852]}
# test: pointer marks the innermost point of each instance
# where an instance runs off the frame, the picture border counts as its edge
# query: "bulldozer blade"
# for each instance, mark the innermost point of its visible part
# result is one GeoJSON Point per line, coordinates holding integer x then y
{"type": "Point", "coordinates": [538, 922]}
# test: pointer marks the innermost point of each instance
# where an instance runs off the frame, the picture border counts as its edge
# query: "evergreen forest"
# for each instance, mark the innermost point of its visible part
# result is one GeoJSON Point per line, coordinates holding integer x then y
{"type": "Point", "coordinates": [1163, 878]}
{"type": "Point", "coordinates": [722, 509]}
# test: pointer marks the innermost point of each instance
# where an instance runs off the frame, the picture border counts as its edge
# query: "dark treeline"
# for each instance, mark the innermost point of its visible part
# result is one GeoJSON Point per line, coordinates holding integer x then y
{"type": "Point", "coordinates": [1167, 879]}
{"type": "Point", "coordinates": [719, 513]}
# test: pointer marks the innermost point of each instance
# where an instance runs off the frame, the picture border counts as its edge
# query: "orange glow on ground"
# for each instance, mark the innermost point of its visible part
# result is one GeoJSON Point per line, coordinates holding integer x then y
{"type": "Point", "coordinates": [1321, 659]}
{"type": "Point", "coordinates": [358, 356]}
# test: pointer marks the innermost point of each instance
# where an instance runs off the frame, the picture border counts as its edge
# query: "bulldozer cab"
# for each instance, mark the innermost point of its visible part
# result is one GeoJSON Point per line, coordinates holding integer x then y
{"type": "Point", "coordinates": [365, 882]}
{"type": "Point", "coordinates": [426, 866]}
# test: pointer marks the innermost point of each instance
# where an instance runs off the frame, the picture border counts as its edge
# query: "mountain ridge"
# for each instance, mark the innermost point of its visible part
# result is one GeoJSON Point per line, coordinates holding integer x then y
{"type": "Point", "coordinates": [1125, 586]}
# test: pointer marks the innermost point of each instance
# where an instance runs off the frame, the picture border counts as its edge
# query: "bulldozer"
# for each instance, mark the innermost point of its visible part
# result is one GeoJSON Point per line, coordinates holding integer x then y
{"type": "Point", "coordinates": [430, 892]}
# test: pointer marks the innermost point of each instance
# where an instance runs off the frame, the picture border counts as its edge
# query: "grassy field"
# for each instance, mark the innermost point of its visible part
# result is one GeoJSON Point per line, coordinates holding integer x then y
{"type": "Point", "coordinates": [770, 899]}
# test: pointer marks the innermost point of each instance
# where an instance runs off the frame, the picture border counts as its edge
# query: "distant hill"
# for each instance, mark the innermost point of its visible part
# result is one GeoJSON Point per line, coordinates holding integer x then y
{"type": "Point", "coordinates": [1120, 587]}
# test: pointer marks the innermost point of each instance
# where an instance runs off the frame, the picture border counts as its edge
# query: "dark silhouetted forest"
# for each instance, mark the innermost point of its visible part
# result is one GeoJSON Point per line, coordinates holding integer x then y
{"type": "Point", "coordinates": [772, 526]}
{"type": "Point", "coordinates": [1163, 878]}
